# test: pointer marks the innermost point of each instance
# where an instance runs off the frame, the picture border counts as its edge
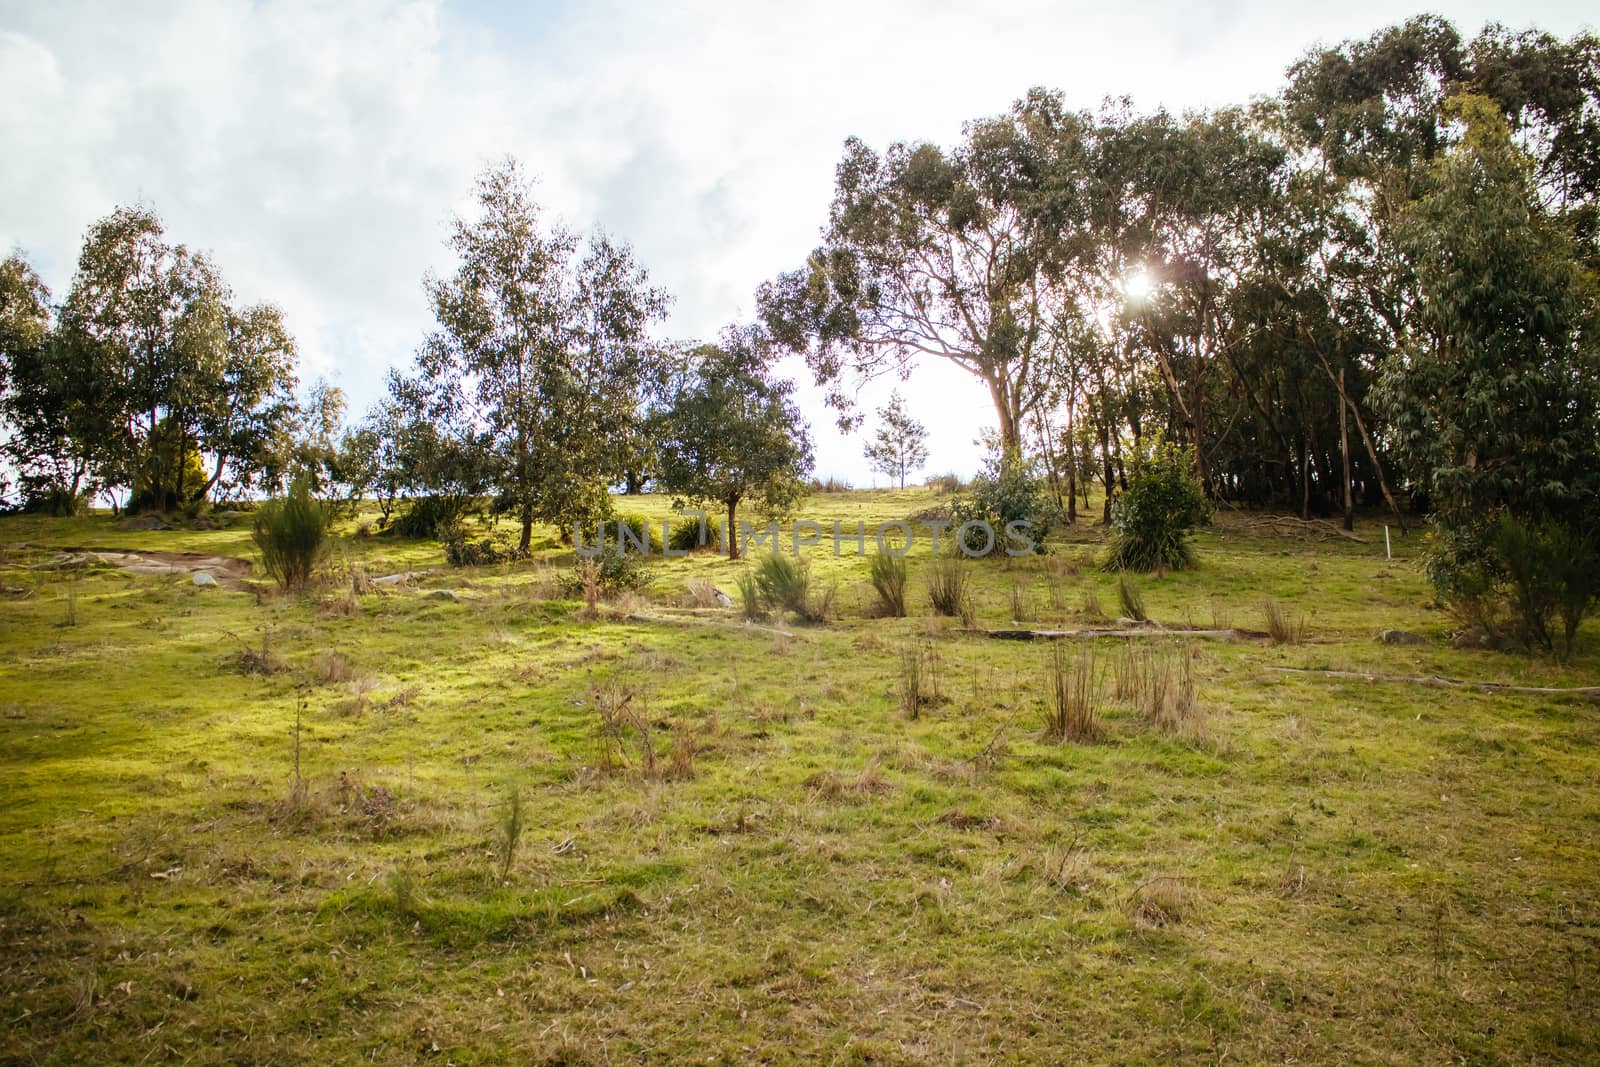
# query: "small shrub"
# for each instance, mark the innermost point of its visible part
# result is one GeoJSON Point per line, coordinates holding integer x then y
{"type": "Point", "coordinates": [291, 533]}
{"type": "Point", "coordinates": [944, 484]}
{"type": "Point", "coordinates": [829, 484]}
{"type": "Point", "coordinates": [1091, 606]}
{"type": "Point", "coordinates": [686, 537]}
{"type": "Point", "coordinates": [1007, 491]}
{"type": "Point", "coordinates": [1552, 578]}
{"type": "Point", "coordinates": [1069, 713]}
{"type": "Point", "coordinates": [610, 572]}
{"type": "Point", "coordinates": [622, 727]}
{"type": "Point", "coordinates": [589, 577]}
{"type": "Point", "coordinates": [889, 582]}
{"type": "Point", "coordinates": [1131, 599]}
{"type": "Point", "coordinates": [917, 688]}
{"type": "Point", "coordinates": [511, 827]}
{"type": "Point", "coordinates": [1153, 518]}
{"type": "Point", "coordinates": [950, 589]}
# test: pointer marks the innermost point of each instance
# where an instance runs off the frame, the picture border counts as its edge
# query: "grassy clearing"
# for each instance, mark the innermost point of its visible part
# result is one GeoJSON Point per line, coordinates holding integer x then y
{"type": "Point", "coordinates": [254, 828]}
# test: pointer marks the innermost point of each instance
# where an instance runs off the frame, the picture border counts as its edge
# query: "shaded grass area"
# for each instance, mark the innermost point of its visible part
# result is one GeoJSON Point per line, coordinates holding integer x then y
{"type": "Point", "coordinates": [1324, 872]}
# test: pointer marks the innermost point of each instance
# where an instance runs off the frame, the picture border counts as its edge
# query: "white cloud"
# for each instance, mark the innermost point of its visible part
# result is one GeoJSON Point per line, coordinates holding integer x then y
{"type": "Point", "coordinates": [318, 150]}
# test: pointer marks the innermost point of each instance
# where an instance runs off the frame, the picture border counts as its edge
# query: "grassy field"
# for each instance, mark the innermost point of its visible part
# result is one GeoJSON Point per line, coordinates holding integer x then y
{"type": "Point", "coordinates": [200, 862]}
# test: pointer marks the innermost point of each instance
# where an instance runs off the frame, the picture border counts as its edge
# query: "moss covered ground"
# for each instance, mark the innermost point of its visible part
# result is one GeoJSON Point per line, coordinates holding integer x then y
{"type": "Point", "coordinates": [211, 853]}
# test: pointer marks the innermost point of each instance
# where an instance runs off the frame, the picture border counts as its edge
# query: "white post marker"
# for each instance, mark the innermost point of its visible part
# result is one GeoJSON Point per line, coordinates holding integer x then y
{"type": "Point", "coordinates": [1387, 554]}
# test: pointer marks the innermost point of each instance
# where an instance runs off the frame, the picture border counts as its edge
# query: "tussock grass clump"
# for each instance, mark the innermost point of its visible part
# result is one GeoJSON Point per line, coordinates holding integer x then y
{"type": "Point", "coordinates": [783, 583]}
{"type": "Point", "coordinates": [1283, 629]}
{"type": "Point", "coordinates": [831, 785]}
{"type": "Point", "coordinates": [750, 605]}
{"type": "Point", "coordinates": [950, 589]}
{"type": "Point", "coordinates": [1162, 901]}
{"type": "Point", "coordinates": [1056, 590]}
{"type": "Point", "coordinates": [1070, 684]}
{"type": "Point", "coordinates": [1131, 598]}
{"type": "Point", "coordinates": [1092, 610]}
{"type": "Point", "coordinates": [704, 594]}
{"type": "Point", "coordinates": [332, 668]}
{"type": "Point", "coordinates": [693, 536]}
{"type": "Point", "coordinates": [291, 533]}
{"type": "Point", "coordinates": [889, 582]}
{"type": "Point", "coordinates": [1159, 684]}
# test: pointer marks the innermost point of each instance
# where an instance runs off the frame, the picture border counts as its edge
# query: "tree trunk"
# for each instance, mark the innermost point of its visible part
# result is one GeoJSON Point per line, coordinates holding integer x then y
{"type": "Point", "coordinates": [527, 527]}
{"type": "Point", "coordinates": [1344, 457]}
{"type": "Point", "coordinates": [732, 532]}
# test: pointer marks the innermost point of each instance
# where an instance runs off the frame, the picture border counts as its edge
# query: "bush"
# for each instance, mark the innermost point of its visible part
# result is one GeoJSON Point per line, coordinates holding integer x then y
{"type": "Point", "coordinates": [640, 532]}
{"type": "Point", "coordinates": [460, 551]}
{"type": "Point", "coordinates": [783, 583]}
{"type": "Point", "coordinates": [1007, 491]}
{"type": "Point", "coordinates": [1552, 577]}
{"type": "Point", "coordinates": [944, 483]}
{"type": "Point", "coordinates": [433, 516]}
{"type": "Point", "coordinates": [685, 537]}
{"type": "Point", "coordinates": [889, 580]}
{"type": "Point", "coordinates": [42, 496]}
{"type": "Point", "coordinates": [292, 534]}
{"type": "Point", "coordinates": [613, 573]}
{"type": "Point", "coordinates": [1152, 519]}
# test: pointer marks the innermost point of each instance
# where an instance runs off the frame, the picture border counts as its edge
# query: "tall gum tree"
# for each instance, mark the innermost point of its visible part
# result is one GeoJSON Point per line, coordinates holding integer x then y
{"type": "Point", "coordinates": [543, 348]}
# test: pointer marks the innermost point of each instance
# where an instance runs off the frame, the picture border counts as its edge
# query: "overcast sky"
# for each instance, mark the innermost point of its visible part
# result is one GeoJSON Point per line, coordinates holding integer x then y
{"type": "Point", "coordinates": [318, 150]}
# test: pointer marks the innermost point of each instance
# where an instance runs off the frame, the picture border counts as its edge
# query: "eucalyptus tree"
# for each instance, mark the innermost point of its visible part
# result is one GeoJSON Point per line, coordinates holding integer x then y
{"type": "Point", "coordinates": [164, 368]}
{"type": "Point", "coordinates": [731, 433]}
{"type": "Point", "coordinates": [1493, 400]}
{"type": "Point", "coordinates": [542, 346]}
{"type": "Point", "coordinates": [934, 253]}
{"type": "Point", "coordinates": [900, 444]}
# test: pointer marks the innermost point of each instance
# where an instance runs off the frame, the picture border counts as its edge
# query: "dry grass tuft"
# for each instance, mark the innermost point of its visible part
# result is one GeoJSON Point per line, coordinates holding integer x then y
{"type": "Point", "coordinates": [831, 785]}
{"type": "Point", "coordinates": [1162, 901]}
{"type": "Point", "coordinates": [1070, 683]}
{"type": "Point", "coordinates": [1159, 683]}
{"type": "Point", "coordinates": [332, 668]}
{"type": "Point", "coordinates": [1283, 629]}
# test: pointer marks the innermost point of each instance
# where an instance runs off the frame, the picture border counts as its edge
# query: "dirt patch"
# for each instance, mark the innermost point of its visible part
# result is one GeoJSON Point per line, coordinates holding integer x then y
{"type": "Point", "coordinates": [229, 571]}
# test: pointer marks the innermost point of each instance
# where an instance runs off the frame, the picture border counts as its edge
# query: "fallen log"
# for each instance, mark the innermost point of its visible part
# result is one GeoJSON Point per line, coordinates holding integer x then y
{"type": "Point", "coordinates": [1229, 634]}
{"type": "Point", "coordinates": [1438, 681]}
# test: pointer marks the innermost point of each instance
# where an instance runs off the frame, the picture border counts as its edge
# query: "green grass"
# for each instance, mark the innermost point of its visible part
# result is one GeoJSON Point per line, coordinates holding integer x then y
{"type": "Point", "coordinates": [1359, 872]}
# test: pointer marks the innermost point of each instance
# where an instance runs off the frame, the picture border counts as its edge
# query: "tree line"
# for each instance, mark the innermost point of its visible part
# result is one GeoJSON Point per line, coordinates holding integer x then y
{"type": "Point", "coordinates": [1377, 284]}
{"type": "Point", "coordinates": [1277, 286]}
